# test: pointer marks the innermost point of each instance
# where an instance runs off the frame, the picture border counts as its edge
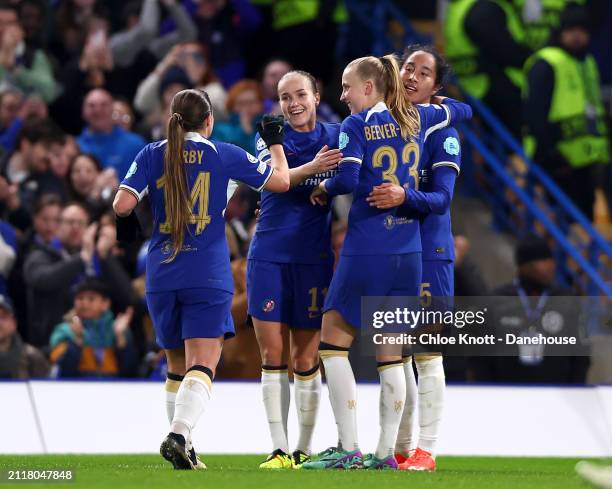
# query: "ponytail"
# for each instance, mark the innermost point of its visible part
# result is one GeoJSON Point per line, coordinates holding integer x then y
{"type": "Point", "coordinates": [385, 74]}
{"type": "Point", "coordinates": [176, 192]}
{"type": "Point", "coordinates": [402, 110]}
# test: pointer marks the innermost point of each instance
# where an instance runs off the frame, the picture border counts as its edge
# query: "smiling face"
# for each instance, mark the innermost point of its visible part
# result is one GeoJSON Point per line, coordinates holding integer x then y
{"type": "Point", "coordinates": [419, 77]}
{"type": "Point", "coordinates": [298, 101]}
{"type": "Point", "coordinates": [355, 91]}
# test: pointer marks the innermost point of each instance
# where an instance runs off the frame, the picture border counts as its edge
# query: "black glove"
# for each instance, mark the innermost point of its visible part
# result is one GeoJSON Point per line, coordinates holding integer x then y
{"type": "Point", "coordinates": [128, 229]}
{"type": "Point", "coordinates": [271, 128]}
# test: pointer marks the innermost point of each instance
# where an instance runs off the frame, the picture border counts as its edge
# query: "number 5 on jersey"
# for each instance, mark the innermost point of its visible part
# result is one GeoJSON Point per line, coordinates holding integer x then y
{"type": "Point", "coordinates": [198, 198]}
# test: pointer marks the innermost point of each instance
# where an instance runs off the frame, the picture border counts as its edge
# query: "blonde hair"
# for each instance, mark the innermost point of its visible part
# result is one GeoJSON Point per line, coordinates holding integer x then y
{"type": "Point", "coordinates": [385, 74]}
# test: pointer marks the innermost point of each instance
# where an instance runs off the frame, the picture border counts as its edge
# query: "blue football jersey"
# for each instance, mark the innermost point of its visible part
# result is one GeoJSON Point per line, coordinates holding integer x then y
{"type": "Point", "coordinates": [203, 262]}
{"type": "Point", "coordinates": [290, 229]}
{"type": "Point", "coordinates": [441, 149]}
{"type": "Point", "coordinates": [372, 139]}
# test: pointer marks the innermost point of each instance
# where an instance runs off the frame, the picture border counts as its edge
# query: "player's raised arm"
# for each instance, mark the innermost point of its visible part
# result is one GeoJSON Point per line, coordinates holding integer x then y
{"type": "Point", "coordinates": [271, 131]}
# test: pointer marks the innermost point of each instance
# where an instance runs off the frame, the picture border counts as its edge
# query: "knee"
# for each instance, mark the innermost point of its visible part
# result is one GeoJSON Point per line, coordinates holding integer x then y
{"type": "Point", "coordinates": [273, 355]}
{"type": "Point", "coordinates": [303, 363]}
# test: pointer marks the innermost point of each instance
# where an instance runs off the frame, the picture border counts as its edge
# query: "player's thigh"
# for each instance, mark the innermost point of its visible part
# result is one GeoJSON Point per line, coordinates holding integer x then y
{"type": "Point", "coordinates": [273, 340]}
{"type": "Point", "coordinates": [438, 278]}
{"type": "Point", "coordinates": [268, 295]}
{"type": "Point", "coordinates": [165, 313]}
{"type": "Point", "coordinates": [355, 278]}
{"type": "Point", "coordinates": [336, 331]}
{"type": "Point", "coordinates": [206, 314]}
{"type": "Point", "coordinates": [304, 348]}
{"type": "Point", "coordinates": [309, 284]}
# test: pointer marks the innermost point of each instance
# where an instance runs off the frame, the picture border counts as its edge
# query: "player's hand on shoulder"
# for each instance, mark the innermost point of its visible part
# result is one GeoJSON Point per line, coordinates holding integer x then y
{"type": "Point", "coordinates": [271, 128]}
{"type": "Point", "coordinates": [319, 195]}
{"type": "Point", "coordinates": [386, 196]}
{"type": "Point", "coordinates": [325, 160]}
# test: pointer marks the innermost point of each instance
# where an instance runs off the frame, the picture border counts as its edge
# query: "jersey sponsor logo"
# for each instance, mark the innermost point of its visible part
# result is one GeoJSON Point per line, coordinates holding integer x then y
{"type": "Point", "coordinates": [261, 144]}
{"type": "Point", "coordinates": [261, 168]}
{"type": "Point", "coordinates": [268, 305]}
{"type": "Point", "coordinates": [343, 140]}
{"type": "Point", "coordinates": [252, 158]}
{"type": "Point", "coordinates": [389, 222]}
{"type": "Point", "coordinates": [132, 170]}
{"type": "Point", "coordinates": [451, 146]}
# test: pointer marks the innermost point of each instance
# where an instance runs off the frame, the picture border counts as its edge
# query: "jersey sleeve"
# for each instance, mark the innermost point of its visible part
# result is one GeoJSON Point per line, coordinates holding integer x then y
{"type": "Point", "coordinates": [351, 140]}
{"type": "Point", "coordinates": [445, 149]}
{"type": "Point", "coordinates": [135, 180]}
{"type": "Point", "coordinates": [436, 117]}
{"type": "Point", "coordinates": [243, 166]}
{"type": "Point", "coordinates": [263, 153]}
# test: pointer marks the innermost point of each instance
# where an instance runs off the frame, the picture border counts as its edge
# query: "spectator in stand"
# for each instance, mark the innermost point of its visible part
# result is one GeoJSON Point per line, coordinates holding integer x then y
{"type": "Point", "coordinates": [70, 27]}
{"type": "Point", "coordinates": [111, 144]}
{"type": "Point", "coordinates": [564, 113]}
{"type": "Point", "coordinates": [141, 28]}
{"type": "Point", "coordinates": [123, 114]}
{"type": "Point", "coordinates": [18, 360]}
{"type": "Point", "coordinates": [274, 70]}
{"type": "Point", "coordinates": [192, 60]}
{"type": "Point", "coordinates": [532, 304]}
{"type": "Point", "coordinates": [175, 79]}
{"type": "Point", "coordinates": [11, 101]}
{"type": "Point", "coordinates": [485, 45]}
{"type": "Point", "coordinates": [225, 27]}
{"type": "Point", "coordinates": [8, 254]}
{"type": "Point", "coordinates": [245, 106]}
{"type": "Point", "coordinates": [28, 172]}
{"type": "Point", "coordinates": [32, 106]}
{"type": "Point", "coordinates": [23, 64]}
{"type": "Point", "coordinates": [90, 185]}
{"type": "Point", "coordinates": [61, 154]}
{"type": "Point", "coordinates": [93, 342]}
{"type": "Point", "coordinates": [51, 271]}
{"type": "Point", "coordinates": [43, 232]}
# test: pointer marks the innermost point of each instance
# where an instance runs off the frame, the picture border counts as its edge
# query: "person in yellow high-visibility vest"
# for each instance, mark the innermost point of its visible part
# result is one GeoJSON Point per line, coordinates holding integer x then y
{"type": "Point", "coordinates": [485, 46]}
{"type": "Point", "coordinates": [564, 116]}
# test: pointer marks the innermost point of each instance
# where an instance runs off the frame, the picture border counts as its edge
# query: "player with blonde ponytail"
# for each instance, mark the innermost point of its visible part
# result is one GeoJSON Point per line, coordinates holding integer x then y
{"type": "Point", "coordinates": [380, 142]}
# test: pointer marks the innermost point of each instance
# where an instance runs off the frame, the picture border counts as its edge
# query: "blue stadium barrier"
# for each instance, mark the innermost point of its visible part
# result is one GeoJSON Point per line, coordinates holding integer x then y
{"type": "Point", "coordinates": [499, 170]}
{"type": "Point", "coordinates": [540, 194]}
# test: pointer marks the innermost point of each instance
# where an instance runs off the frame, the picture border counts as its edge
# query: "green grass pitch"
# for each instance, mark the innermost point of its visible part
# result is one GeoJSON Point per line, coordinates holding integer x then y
{"type": "Point", "coordinates": [238, 471]}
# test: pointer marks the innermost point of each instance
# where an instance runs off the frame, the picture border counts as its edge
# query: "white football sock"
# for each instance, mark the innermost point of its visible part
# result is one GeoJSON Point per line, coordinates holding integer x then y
{"type": "Point", "coordinates": [405, 435]}
{"type": "Point", "coordinates": [343, 395]}
{"type": "Point", "coordinates": [307, 396]}
{"type": "Point", "coordinates": [431, 400]}
{"type": "Point", "coordinates": [171, 387]}
{"type": "Point", "coordinates": [276, 396]}
{"type": "Point", "coordinates": [191, 400]}
{"type": "Point", "coordinates": [391, 406]}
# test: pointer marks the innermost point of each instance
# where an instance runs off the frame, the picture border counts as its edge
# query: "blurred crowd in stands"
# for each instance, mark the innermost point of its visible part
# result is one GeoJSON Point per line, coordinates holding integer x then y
{"type": "Point", "coordinates": [85, 84]}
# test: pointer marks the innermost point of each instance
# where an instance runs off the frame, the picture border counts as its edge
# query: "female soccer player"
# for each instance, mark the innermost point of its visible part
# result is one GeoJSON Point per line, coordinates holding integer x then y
{"type": "Point", "coordinates": [380, 141]}
{"type": "Point", "coordinates": [423, 72]}
{"type": "Point", "coordinates": [290, 267]}
{"type": "Point", "coordinates": [189, 281]}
